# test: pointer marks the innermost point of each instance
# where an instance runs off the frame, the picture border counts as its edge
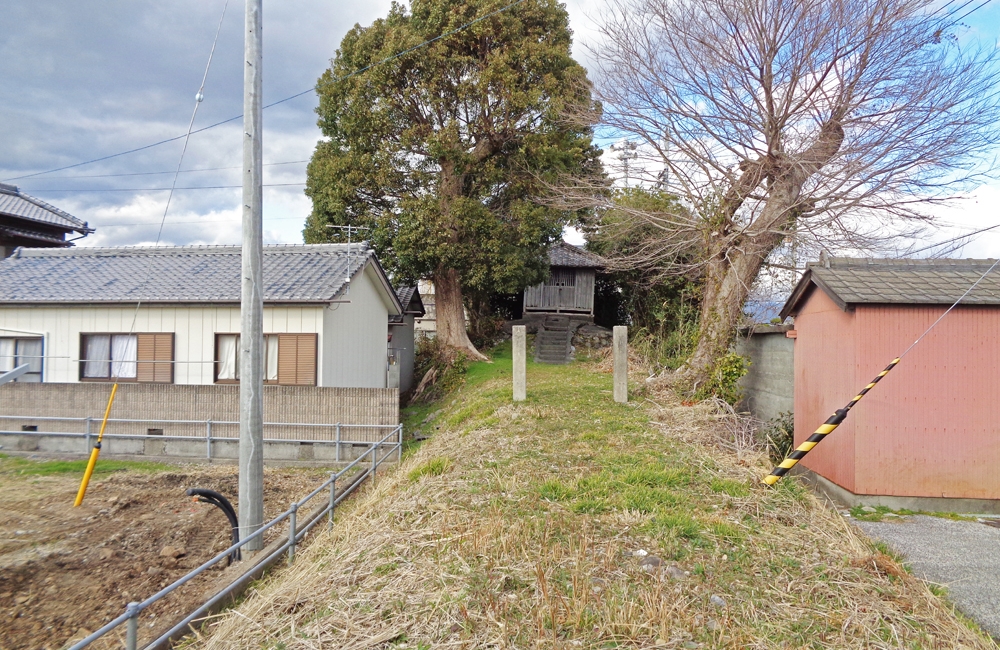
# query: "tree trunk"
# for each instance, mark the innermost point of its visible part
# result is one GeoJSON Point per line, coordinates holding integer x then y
{"type": "Point", "coordinates": [727, 285]}
{"type": "Point", "coordinates": [450, 313]}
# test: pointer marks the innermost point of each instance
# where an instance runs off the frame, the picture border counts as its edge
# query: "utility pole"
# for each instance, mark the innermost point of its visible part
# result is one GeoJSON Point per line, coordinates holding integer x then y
{"type": "Point", "coordinates": [251, 368]}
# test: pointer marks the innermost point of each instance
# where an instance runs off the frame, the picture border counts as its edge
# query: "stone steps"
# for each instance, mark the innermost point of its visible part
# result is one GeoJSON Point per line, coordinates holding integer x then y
{"type": "Point", "coordinates": [552, 342]}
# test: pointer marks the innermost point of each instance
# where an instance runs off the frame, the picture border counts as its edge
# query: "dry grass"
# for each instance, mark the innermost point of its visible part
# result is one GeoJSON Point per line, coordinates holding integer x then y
{"type": "Point", "coordinates": [527, 527]}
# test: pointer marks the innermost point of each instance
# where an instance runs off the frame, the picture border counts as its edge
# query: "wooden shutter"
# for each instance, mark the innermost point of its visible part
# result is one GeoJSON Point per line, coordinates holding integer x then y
{"type": "Point", "coordinates": [155, 348]}
{"type": "Point", "coordinates": [297, 359]}
{"type": "Point", "coordinates": [305, 372]}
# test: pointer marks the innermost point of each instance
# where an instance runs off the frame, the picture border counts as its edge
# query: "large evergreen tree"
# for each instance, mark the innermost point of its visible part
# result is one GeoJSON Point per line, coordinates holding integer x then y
{"type": "Point", "coordinates": [444, 152]}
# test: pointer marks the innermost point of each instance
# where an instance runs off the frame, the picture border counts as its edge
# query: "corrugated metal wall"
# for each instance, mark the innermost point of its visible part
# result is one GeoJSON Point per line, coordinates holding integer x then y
{"type": "Point", "coordinates": [930, 428]}
{"type": "Point", "coordinates": [825, 381]}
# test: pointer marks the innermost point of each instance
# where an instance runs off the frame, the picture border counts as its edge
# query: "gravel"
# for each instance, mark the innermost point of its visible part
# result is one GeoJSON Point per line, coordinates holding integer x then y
{"type": "Point", "coordinates": [963, 556]}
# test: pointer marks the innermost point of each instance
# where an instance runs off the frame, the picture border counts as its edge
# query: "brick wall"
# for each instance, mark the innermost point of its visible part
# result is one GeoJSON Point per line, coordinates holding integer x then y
{"type": "Point", "coordinates": [149, 403]}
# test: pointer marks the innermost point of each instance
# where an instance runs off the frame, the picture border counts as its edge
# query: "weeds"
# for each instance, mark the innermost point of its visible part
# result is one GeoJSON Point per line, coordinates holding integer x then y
{"type": "Point", "coordinates": [570, 521]}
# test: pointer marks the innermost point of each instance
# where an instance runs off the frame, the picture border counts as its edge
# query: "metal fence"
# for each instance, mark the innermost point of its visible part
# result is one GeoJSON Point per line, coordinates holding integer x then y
{"type": "Point", "coordinates": [369, 461]}
{"type": "Point", "coordinates": [338, 434]}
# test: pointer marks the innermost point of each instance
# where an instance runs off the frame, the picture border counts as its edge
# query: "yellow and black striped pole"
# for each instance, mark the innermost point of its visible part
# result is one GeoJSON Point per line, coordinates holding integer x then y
{"type": "Point", "coordinates": [824, 430]}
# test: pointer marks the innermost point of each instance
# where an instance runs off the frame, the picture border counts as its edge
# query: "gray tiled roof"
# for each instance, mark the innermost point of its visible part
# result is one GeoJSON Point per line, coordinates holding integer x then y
{"type": "Point", "coordinates": [564, 254]}
{"type": "Point", "coordinates": [406, 297]}
{"type": "Point", "coordinates": [292, 274]}
{"type": "Point", "coordinates": [22, 233]}
{"type": "Point", "coordinates": [15, 203]}
{"type": "Point", "coordinates": [851, 281]}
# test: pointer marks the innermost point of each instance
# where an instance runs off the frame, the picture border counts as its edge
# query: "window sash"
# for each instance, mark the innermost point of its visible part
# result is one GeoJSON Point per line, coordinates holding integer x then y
{"type": "Point", "coordinates": [289, 359]}
{"type": "Point", "coordinates": [15, 352]}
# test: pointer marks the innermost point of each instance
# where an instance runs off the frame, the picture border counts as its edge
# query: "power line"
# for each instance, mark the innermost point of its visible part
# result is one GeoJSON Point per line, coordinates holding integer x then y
{"type": "Point", "coordinates": [948, 241]}
{"type": "Point", "coordinates": [161, 189]}
{"type": "Point", "coordinates": [197, 221]}
{"type": "Point", "coordinates": [281, 101]}
{"type": "Point", "coordinates": [183, 171]}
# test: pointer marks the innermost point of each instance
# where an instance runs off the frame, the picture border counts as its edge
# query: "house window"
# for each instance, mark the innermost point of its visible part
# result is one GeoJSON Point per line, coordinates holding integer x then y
{"type": "Point", "coordinates": [127, 357]}
{"type": "Point", "coordinates": [15, 352]}
{"type": "Point", "coordinates": [289, 359]}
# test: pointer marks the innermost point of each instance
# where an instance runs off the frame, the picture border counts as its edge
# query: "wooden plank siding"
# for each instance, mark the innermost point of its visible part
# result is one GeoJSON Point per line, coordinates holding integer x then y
{"type": "Point", "coordinates": [578, 297]}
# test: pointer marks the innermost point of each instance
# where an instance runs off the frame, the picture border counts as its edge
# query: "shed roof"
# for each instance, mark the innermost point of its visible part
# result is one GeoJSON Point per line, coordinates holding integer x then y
{"type": "Point", "coordinates": [409, 298]}
{"type": "Point", "coordinates": [15, 203]}
{"type": "Point", "coordinates": [565, 254]}
{"type": "Point", "coordinates": [314, 273]}
{"type": "Point", "coordinates": [852, 281]}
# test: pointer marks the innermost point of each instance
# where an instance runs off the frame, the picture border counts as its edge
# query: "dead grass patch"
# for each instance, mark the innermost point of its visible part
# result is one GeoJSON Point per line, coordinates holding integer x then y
{"type": "Point", "coordinates": [544, 529]}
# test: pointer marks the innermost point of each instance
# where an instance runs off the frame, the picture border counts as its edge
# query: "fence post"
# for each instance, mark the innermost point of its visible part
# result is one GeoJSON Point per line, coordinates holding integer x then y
{"type": "Point", "coordinates": [333, 499]}
{"type": "Point", "coordinates": [88, 434]}
{"type": "Point", "coordinates": [132, 626]}
{"type": "Point", "coordinates": [208, 439]}
{"type": "Point", "coordinates": [620, 334]}
{"type": "Point", "coordinates": [399, 449]}
{"type": "Point", "coordinates": [374, 461]}
{"type": "Point", "coordinates": [519, 337]}
{"type": "Point", "coordinates": [338, 442]}
{"type": "Point", "coordinates": [291, 532]}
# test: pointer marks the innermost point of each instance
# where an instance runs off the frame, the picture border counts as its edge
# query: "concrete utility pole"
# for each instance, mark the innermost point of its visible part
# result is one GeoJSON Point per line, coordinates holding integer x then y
{"type": "Point", "coordinates": [251, 361]}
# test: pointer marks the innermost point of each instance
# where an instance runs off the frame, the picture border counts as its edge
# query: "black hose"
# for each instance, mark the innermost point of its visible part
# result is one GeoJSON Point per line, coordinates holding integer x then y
{"type": "Point", "coordinates": [222, 503]}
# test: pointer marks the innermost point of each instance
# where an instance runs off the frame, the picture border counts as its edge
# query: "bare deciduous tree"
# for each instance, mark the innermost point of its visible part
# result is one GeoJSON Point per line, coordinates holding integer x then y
{"type": "Point", "coordinates": [832, 121]}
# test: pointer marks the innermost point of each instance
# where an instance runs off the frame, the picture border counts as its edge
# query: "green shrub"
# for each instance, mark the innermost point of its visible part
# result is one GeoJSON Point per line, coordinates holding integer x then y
{"type": "Point", "coordinates": [724, 380]}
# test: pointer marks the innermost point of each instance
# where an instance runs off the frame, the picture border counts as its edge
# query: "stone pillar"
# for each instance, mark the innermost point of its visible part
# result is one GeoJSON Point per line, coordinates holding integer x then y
{"type": "Point", "coordinates": [621, 363]}
{"type": "Point", "coordinates": [519, 337]}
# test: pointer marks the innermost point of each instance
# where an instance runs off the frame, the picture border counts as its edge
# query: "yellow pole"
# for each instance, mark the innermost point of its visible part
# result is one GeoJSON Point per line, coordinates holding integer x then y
{"type": "Point", "coordinates": [96, 451]}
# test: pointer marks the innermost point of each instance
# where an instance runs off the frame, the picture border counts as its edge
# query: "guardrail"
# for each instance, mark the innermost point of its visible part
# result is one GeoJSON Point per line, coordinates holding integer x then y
{"type": "Point", "coordinates": [390, 444]}
{"type": "Point", "coordinates": [336, 433]}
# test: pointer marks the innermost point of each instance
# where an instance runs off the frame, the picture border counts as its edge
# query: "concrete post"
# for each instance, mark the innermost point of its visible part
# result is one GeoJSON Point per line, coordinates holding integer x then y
{"type": "Point", "coordinates": [519, 337]}
{"type": "Point", "coordinates": [251, 479]}
{"type": "Point", "coordinates": [621, 363]}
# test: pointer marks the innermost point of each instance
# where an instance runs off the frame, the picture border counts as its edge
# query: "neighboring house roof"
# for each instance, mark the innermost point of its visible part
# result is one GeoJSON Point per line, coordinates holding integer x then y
{"type": "Point", "coordinates": [409, 298]}
{"type": "Point", "coordinates": [14, 203]}
{"type": "Point", "coordinates": [564, 254]}
{"type": "Point", "coordinates": [315, 273]}
{"type": "Point", "coordinates": [852, 281]}
{"type": "Point", "coordinates": [33, 235]}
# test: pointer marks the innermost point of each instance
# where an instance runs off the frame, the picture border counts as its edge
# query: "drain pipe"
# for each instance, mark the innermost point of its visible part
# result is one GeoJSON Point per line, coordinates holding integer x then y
{"type": "Point", "coordinates": [222, 503]}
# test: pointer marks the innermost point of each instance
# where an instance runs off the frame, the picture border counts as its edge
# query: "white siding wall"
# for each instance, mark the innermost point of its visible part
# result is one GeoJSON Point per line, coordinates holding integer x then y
{"type": "Point", "coordinates": [354, 336]}
{"type": "Point", "coordinates": [194, 329]}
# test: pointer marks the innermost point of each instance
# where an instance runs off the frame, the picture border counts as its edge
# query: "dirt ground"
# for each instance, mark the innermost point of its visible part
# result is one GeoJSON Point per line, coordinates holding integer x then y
{"type": "Point", "coordinates": [66, 571]}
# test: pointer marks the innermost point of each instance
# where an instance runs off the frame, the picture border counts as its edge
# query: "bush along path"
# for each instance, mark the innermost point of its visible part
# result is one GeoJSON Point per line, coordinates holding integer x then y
{"type": "Point", "coordinates": [570, 521]}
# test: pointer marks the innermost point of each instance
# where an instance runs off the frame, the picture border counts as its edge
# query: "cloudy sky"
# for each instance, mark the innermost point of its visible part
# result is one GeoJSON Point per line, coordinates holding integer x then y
{"type": "Point", "coordinates": [84, 80]}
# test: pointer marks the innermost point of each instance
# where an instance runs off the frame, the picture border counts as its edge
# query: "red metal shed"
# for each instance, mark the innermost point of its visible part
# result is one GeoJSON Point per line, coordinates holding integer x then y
{"type": "Point", "coordinates": [931, 428]}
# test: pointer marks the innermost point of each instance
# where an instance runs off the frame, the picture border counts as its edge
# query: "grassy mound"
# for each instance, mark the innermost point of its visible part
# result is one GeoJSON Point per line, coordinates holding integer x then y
{"type": "Point", "coordinates": [570, 521]}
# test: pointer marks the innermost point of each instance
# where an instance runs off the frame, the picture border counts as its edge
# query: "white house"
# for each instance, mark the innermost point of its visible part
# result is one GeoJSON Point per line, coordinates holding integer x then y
{"type": "Point", "coordinates": [172, 315]}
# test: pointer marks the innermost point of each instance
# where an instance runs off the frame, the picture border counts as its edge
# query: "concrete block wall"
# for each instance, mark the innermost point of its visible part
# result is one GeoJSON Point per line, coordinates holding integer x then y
{"type": "Point", "coordinates": [149, 403]}
{"type": "Point", "coordinates": [769, 385]}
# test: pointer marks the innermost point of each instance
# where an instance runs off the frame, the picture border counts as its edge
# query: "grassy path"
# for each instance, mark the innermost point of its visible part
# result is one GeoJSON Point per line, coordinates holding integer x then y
{"type": "Point", "coordinates": [570, 521]}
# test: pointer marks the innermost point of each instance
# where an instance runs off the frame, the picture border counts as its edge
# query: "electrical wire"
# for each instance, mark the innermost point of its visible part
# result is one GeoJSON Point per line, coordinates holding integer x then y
{"type": "Point", "coordinates": [183, 171]}
{"type": "Point", "coordinates": [315, 88]}
{"type": "Point", "coordinates": [159, 189]}
{"type": "Point", "coordinates": [948, 241]}
{"type": "Point", "coordinates": [95, 452]}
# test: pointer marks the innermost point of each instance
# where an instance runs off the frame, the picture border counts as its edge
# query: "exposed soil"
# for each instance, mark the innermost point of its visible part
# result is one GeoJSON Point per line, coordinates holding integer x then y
{"type": "Point", "coordinates": [66, 571]}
